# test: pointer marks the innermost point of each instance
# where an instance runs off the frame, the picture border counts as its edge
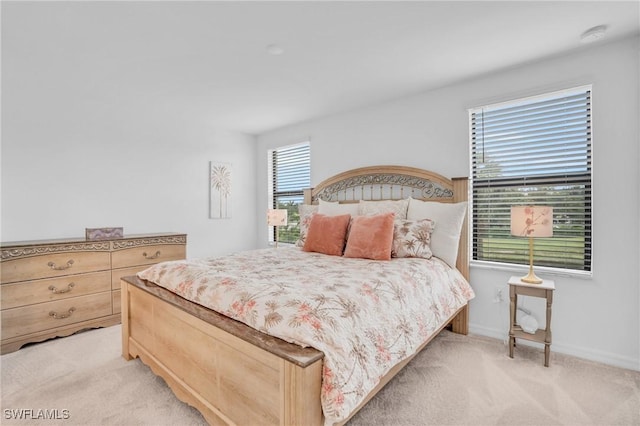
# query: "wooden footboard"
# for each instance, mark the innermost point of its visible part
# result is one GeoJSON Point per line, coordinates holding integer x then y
{"type": "Point", "coordinates": [229, 372]}
{"type": "Point", "coordinates": [229, 380]}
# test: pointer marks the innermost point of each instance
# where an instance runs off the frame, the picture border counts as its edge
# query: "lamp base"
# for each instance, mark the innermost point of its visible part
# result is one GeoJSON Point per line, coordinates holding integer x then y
{"type": "Point", "coordinates": [531, 278]}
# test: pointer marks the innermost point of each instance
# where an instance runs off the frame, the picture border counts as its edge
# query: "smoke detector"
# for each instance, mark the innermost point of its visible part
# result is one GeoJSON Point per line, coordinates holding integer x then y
{"type": "Point", "coordinates": [593, 34]}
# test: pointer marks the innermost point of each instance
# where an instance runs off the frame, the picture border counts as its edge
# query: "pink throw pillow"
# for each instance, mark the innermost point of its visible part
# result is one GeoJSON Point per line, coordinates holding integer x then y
{"type": "Point", "coordinates": [327, 234]}
{"type": "Point", "coordinates": [371, 237]}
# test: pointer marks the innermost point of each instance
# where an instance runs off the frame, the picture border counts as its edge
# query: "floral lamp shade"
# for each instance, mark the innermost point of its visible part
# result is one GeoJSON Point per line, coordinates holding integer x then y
{"type": "Point", "coordinates": [277, 217]}
{"type": "Point", "coordinates": [532, 222]}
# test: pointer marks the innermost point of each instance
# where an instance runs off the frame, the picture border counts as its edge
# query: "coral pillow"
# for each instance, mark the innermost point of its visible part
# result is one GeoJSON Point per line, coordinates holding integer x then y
{"type": "Point", "coordinates": [371, 237]}
{"type": "Point", "coordinates": [327, 234]}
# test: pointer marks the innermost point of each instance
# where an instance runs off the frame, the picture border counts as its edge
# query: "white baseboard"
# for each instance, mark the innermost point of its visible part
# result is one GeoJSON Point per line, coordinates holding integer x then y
{"type": "Point", "coordinates": [579, 352]}
{"type": "Point", "coordinates": [488, 332]}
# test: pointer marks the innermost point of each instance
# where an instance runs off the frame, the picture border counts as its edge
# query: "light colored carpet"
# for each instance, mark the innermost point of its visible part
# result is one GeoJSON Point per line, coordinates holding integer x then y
{"type": "Point", "coordinates": [456, 380]}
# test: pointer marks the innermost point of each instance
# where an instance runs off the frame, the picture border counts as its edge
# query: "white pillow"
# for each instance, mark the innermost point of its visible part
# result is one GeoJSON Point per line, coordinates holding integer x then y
{"type": "Point", "coordinates": [333, 208]}
{"type": "Point", "coordinates": [398, 207]}
{"type": "Point", "coordinates": [446, 235]}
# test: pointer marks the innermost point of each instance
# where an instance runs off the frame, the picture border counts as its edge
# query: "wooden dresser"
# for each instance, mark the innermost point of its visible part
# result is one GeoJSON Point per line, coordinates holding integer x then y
{"type": "Point", "coordinates": [57, 287]}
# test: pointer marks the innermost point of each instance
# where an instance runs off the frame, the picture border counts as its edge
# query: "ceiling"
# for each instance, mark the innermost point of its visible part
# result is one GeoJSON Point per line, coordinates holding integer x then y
{"type": "Point", "coordinates": [209, 60]}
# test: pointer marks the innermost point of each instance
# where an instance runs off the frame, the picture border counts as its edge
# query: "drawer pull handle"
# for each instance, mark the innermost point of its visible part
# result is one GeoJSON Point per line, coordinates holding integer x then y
{"type": "Point", "coordinates": [56, 315]}
{"type": "Point", "coordinates": [60, 268]}
{"type": "Point", "coordinates": [155, 256]}
{"type": "Point", "coordinates": [54, 290]}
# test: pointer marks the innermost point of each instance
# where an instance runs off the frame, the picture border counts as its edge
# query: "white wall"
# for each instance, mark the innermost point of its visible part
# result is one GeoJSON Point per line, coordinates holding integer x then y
{"type": "Point", "coordinates": [70, 162]}
{"type": "Point", "coordinates": [595, 318]}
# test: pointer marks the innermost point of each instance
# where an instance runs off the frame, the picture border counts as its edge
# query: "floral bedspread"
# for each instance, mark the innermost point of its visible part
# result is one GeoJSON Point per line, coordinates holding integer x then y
{"type": "Point", "coordinates": [365, 316]}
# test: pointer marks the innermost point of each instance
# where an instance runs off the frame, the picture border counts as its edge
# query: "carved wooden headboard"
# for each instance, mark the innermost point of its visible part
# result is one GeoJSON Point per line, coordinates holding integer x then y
{"type": "Point", "coordinates": [395, 183]}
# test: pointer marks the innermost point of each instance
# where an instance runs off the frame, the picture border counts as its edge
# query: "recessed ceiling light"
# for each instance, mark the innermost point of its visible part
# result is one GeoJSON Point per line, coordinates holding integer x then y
{"type": "Point", "coordinates": [275, 49]}
{"type": "Point", "coordinates": [593, 34]}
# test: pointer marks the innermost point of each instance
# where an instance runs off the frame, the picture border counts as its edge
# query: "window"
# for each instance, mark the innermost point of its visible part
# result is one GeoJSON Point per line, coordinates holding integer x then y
{"type": "Point", "coordinates": [533, 151]}
{"type": "Point", "coordinates": [290, 175]}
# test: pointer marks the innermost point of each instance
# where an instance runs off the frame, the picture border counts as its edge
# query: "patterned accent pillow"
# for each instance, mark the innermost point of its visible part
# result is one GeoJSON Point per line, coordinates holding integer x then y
{"type": "Point", "coordinates": [399, 207]}
{"type": "Point", "coordinates": [412, 238]}
{"type": "Point", "coordinates": [306, 212]}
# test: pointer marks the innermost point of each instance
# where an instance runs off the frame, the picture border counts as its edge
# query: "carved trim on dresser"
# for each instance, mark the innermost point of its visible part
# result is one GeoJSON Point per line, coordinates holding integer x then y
{"type": "Point", "coordinates": [179, 239]}
{"type": "Point", "coordinates": [16, 253]}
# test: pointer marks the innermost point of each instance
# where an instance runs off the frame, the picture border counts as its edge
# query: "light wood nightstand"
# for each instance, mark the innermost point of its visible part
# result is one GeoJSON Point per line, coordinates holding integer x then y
{"type": "Point", "coordinates": [543, 290]}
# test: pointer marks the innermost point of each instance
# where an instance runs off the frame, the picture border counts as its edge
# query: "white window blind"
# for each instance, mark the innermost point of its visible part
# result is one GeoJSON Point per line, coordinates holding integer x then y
{"type": "Point", "coordinates": [533, 152]}
{"type": "Point", "coordinates": [290, 176]}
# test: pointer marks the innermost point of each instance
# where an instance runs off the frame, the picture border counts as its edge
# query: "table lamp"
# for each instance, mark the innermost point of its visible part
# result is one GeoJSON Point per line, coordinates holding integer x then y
{"type": "Point", "coordinates": [275, 218]}
{"type": "Point", "coordinates": [532, 222]}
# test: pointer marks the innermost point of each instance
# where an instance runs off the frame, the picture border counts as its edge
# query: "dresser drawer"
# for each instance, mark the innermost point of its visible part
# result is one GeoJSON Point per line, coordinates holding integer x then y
{"type": "Point", "coordinates": [116, 301]}
{"type": "Point", "coordinates": [54, 265]}
{"type": "Point", "coordinates": [49, 315]}
{"type": "Point", "coordinates": [50, 289]}
{"type": "Point", "coordinates": [116, 274]}
{"type": "Point", "coordinates": [147, 255]}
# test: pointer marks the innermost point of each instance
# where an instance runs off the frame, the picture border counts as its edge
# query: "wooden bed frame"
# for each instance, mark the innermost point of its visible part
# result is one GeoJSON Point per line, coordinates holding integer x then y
{"type": "Point", "coordinates": [235, 375]}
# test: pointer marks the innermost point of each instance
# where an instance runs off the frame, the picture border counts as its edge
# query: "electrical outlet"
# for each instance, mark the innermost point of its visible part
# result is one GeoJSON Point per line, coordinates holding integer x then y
{"type": "Point", "coordinates": [498, 294]}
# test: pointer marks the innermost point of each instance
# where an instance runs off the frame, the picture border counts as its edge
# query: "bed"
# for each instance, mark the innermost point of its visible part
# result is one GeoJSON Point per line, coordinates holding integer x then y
{"type": "Point", "coordinates": [228, 367]}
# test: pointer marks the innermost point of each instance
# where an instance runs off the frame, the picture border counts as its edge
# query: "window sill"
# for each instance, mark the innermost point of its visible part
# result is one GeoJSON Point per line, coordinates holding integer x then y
{"type": "Point", "coordinates": [522, 269]}
{"type": "Point", "coordinates": [280, 244]}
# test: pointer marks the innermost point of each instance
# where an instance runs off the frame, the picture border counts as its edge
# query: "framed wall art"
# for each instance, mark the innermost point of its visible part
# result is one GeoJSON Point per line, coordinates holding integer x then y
{"type": "Point", "coordinates": [219, 190]}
